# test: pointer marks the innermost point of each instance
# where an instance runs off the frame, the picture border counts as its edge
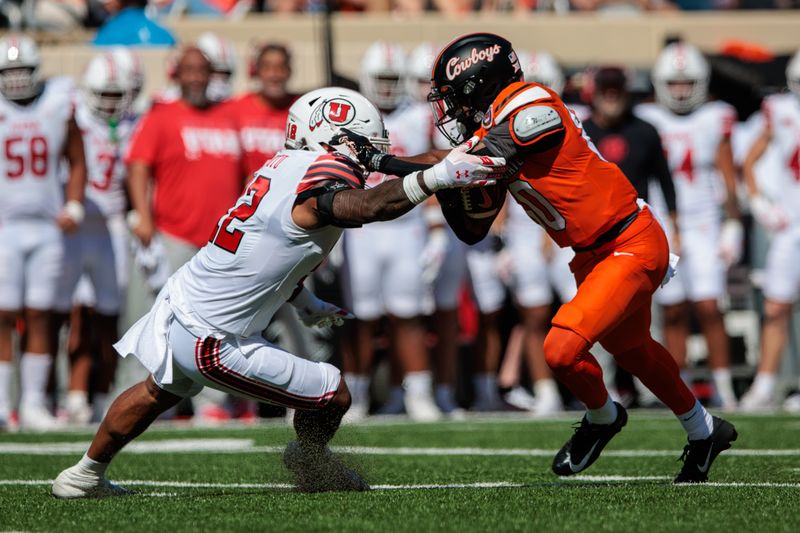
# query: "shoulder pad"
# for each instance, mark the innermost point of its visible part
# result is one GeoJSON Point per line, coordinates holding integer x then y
{"type": "Point", "coordinates": [532, 122]}
{"type": "Point", "coordinates": [523, 95]}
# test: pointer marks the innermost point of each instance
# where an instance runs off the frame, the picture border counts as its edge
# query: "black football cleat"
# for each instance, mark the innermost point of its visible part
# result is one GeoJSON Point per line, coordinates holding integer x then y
{"type": "Point", "coordinates": [698, 455]}
{"type": "Point", "coordinates": [586, 444]}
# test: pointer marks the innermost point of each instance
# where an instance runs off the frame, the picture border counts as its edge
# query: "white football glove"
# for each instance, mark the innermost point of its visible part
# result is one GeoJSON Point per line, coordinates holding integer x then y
{"type": "Point", "coordinates": [672, 268]}
{"type": "Point", "coordinates": [731, 241]}
{"type": "Point", "coordinates": [768, 214]}
{"type": "Point", "coordinates": [314, 312]}
{"type": "Point", "coordinates": [461, 168]}
{"type": "Point", "coordinates": [433, 254]}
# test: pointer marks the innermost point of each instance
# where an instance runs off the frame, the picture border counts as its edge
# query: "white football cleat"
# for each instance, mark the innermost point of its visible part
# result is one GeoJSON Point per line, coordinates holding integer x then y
{"type": "Point", "coordinates": [548, 404]}
{"type": "Point", "coordinates": [520, 398]}
{"type": "Point", "coordinates": [74, 483]}
{"type": "Point", "coordinates": [422, 408]}
{"type": "Point", "coordinates": [792, 403]}
{"type": "Point", "coordinates": [753, 401]}
{"type": "Point", "coordinates": [357, 413]}
{"type": "Point", "coordinates": [38, 418]}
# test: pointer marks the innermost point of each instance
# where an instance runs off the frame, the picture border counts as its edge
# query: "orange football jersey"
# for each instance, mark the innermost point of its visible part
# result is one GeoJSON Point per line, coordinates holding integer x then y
{"type": "Point", "coordinates": [569, 189]}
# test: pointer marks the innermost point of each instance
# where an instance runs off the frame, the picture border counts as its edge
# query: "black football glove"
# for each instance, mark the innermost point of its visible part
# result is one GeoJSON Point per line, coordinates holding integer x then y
{"type": "Point", "coordinates": [369, 156]}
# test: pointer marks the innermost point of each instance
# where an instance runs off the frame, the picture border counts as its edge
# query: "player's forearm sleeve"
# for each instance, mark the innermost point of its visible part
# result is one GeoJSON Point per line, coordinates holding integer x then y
{"type": "Point", "coordinates": [394, 166]}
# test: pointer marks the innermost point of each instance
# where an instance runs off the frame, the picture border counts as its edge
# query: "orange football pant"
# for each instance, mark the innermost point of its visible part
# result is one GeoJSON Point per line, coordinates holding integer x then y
{"type": "Point", "coordinates": [616, 283]}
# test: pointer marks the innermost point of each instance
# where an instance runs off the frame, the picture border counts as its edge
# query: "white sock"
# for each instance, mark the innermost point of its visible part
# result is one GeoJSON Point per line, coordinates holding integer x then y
{"type": "Point", "coordinates": [485, 387]}
{"type": "Point", "coordinates": [34, 372]}
{"type": "Point", "coordinates": [100, 405]}
{"type": "Point", "coordinates": [419, 383]}
{"type": "Point", "coordinates": [359, 388]}
{"type": "Point", "coordinates": [723, 382]}
{"type": "Point", "coordinates": [697, 422]}
{"type": "Point", "coordinates": [545, 388]}
{"type": "Point", "coordinates": [764, 385]}
{"type": "Point", "coordinates": [91, 467]}
{"type": "Point", "coordinates": [6, 371]}
{"type": "Point", "coordinates": [604, 415]}
{"type": "Point", "coordinates": [77, 400]}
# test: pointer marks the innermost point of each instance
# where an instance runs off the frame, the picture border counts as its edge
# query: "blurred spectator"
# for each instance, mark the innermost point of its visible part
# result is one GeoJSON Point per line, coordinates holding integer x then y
{"type": "Point", "coordinates": [130, 26]}
{"type": "Point", "coordinates": [60, 15]}
{"type": "Point", "coordinates": [190, 151]}
{"type": "Point", "coordinates": [262, 113]}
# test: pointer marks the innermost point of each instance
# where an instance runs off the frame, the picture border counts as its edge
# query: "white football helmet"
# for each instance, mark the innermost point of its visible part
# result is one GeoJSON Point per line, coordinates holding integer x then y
{"type": "Point", "coordinates": [112, 82]}
{"type": "Point", "coordinates": [19, 67]}
{"type": "Point", "coordinates": [680, 78]}
{"type": "Point", "coordinates": [542, 67]}
{"type": "Point", "coordinates": [418, 71]}
{"type": "Point", "coordinates": [382, 69]}
{"type": "Point", "coordinates": [222, 55]}
{"type": "Point", "coordinates": [793, 74]}
{"type": "Point", "coordinates": [315, 119]}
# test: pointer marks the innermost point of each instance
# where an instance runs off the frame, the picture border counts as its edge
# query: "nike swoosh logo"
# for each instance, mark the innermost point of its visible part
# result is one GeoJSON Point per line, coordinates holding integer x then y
{"type": "Point", "coordinates": [487, 200]}
{"type": "Point", "coordinates": [580, 466]}
{"type": "Point", "coordinates": [704, 468]}
{"type": "Point", "coordinates": [617, 254]}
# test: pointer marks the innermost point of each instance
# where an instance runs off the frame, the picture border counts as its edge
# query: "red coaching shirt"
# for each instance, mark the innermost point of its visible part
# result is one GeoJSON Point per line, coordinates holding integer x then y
{"type": "Point", "coordinates": [195, 158]}
{"type": "Point", "coordinates": [262, 129]}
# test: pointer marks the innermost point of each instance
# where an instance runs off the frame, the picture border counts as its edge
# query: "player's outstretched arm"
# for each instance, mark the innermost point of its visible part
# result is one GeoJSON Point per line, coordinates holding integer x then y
{"type": "Point", "coordinates": [346, 207]}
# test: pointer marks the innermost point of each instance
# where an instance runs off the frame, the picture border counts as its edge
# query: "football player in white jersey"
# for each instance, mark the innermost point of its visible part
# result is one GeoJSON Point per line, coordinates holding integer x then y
{"type": "Point", "coordinates": [204, 329]}
{"type": "Point", "coordinates": [695, 134]}
{"type": "Point", "coordinates": [384, 272]}
{"type": "Point", "coordinates": [99, 249]}
{"type": "Point", "coordinates": [780, 215]}
{"type": "Point", "coordinates": [38, 131]}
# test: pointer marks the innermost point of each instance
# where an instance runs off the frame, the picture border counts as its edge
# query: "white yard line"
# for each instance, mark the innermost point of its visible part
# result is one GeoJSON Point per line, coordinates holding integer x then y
{"type": "Point", "coordinates": [242, 446]}
{"type": "Point", "coordinates": [425, 486]}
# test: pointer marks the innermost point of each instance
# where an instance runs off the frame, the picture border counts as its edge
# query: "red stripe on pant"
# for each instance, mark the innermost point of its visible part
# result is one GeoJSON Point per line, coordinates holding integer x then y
{"type": "Point", "coordinates": [211, 367]}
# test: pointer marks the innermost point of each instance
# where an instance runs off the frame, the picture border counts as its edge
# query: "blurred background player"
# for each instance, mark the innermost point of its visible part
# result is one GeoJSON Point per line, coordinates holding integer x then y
{"type": "Point", "coordinates": [222, 54]}
{"type": "Point", "coordinates": [533, 267]}
{"type": "Point", "coordinates": [99, 249]}
{"type": "Point", "coordinates": [443, 259]}
{"type": "Point", "coordinates": [384, 275]}
{"type": "Point", "coordinates": [261, 114]}
{"type": "Point", "coordinates": [779, 214]}
{"type": "Point", "coordinates": [695, 133]}
{"type": "Point", "coordinates": [635, 146]}
{"type": "Point", "coordinates": [35, 208]}
{"type": "Point", "coordinates": [188, 151]}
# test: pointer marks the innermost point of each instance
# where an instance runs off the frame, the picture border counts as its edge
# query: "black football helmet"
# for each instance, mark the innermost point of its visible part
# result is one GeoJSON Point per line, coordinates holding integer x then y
{"type": "Point", "coordinates": [467, 76]}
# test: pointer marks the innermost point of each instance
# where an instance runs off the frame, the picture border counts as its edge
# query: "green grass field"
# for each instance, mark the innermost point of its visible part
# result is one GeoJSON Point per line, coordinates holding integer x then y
{"type": "Point", "coordinates": [481, 474]}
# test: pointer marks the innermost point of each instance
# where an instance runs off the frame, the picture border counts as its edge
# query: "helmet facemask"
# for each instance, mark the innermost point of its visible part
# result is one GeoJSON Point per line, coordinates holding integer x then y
{"type": "Point", "coordinates": [19, 83]}
{"type": "Point", "coordinates": [110, 104]}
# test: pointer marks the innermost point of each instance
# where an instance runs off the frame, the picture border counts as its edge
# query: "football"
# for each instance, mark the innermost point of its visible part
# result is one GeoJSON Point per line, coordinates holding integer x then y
{"type": "Point", "coordinates": [482, 202]}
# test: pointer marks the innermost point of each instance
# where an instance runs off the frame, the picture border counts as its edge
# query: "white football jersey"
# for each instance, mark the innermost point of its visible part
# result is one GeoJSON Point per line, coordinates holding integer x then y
{"type": "Point", "coordinates": [104, 147]}
{"type": "Point", "coordinates": [782, 113]}
{"type": "Point", "coordinates": [691, 143]}
{"type": "Point", "coordinates": [257, 255]}
{"type": "Point", "coordinates": [32, 138]}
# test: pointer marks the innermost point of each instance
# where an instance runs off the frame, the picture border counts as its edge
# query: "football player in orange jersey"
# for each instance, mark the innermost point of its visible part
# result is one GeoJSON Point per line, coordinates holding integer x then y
{"type": "Point", "coordinates": [582, 201]}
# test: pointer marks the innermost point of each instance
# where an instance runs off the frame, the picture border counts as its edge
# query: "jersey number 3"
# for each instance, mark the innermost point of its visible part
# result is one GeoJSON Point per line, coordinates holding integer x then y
{"type": "Point", "coordinates": [229, 238]}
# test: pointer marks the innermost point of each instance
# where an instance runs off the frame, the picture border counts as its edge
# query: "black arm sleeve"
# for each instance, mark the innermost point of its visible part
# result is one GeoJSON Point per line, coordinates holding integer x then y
{"type": "Point", "coordinates": [397, 167]}
{"type": "Point", "coordinates": [660, 171]}
{"type": "Point", "coordinates": [325, 195]}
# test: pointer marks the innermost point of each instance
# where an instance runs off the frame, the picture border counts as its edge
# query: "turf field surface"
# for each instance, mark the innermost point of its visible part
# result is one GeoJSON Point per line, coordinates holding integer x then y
{"type": "Point", "coordinates": [480, 474]}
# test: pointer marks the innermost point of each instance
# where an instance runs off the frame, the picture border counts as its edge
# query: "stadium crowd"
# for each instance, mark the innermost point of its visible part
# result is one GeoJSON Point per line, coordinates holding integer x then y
{"type": "Point", "coordinates": [108, 191]}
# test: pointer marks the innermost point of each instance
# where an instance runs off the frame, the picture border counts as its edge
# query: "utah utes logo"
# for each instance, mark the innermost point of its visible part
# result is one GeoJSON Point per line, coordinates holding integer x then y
{"type": "Point", "coordinates": [340, 112]}
{"type": "Point", "coordinates": [337, 111]}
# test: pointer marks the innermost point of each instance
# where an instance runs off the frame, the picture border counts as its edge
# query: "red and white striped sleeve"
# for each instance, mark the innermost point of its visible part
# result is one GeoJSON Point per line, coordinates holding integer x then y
{"type": "Point", "coordinates": [331, 167]}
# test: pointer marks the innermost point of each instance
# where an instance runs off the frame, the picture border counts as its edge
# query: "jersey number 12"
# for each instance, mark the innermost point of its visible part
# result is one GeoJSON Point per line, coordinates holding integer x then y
{"type": "Point", "coordinates": [229, 238]}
